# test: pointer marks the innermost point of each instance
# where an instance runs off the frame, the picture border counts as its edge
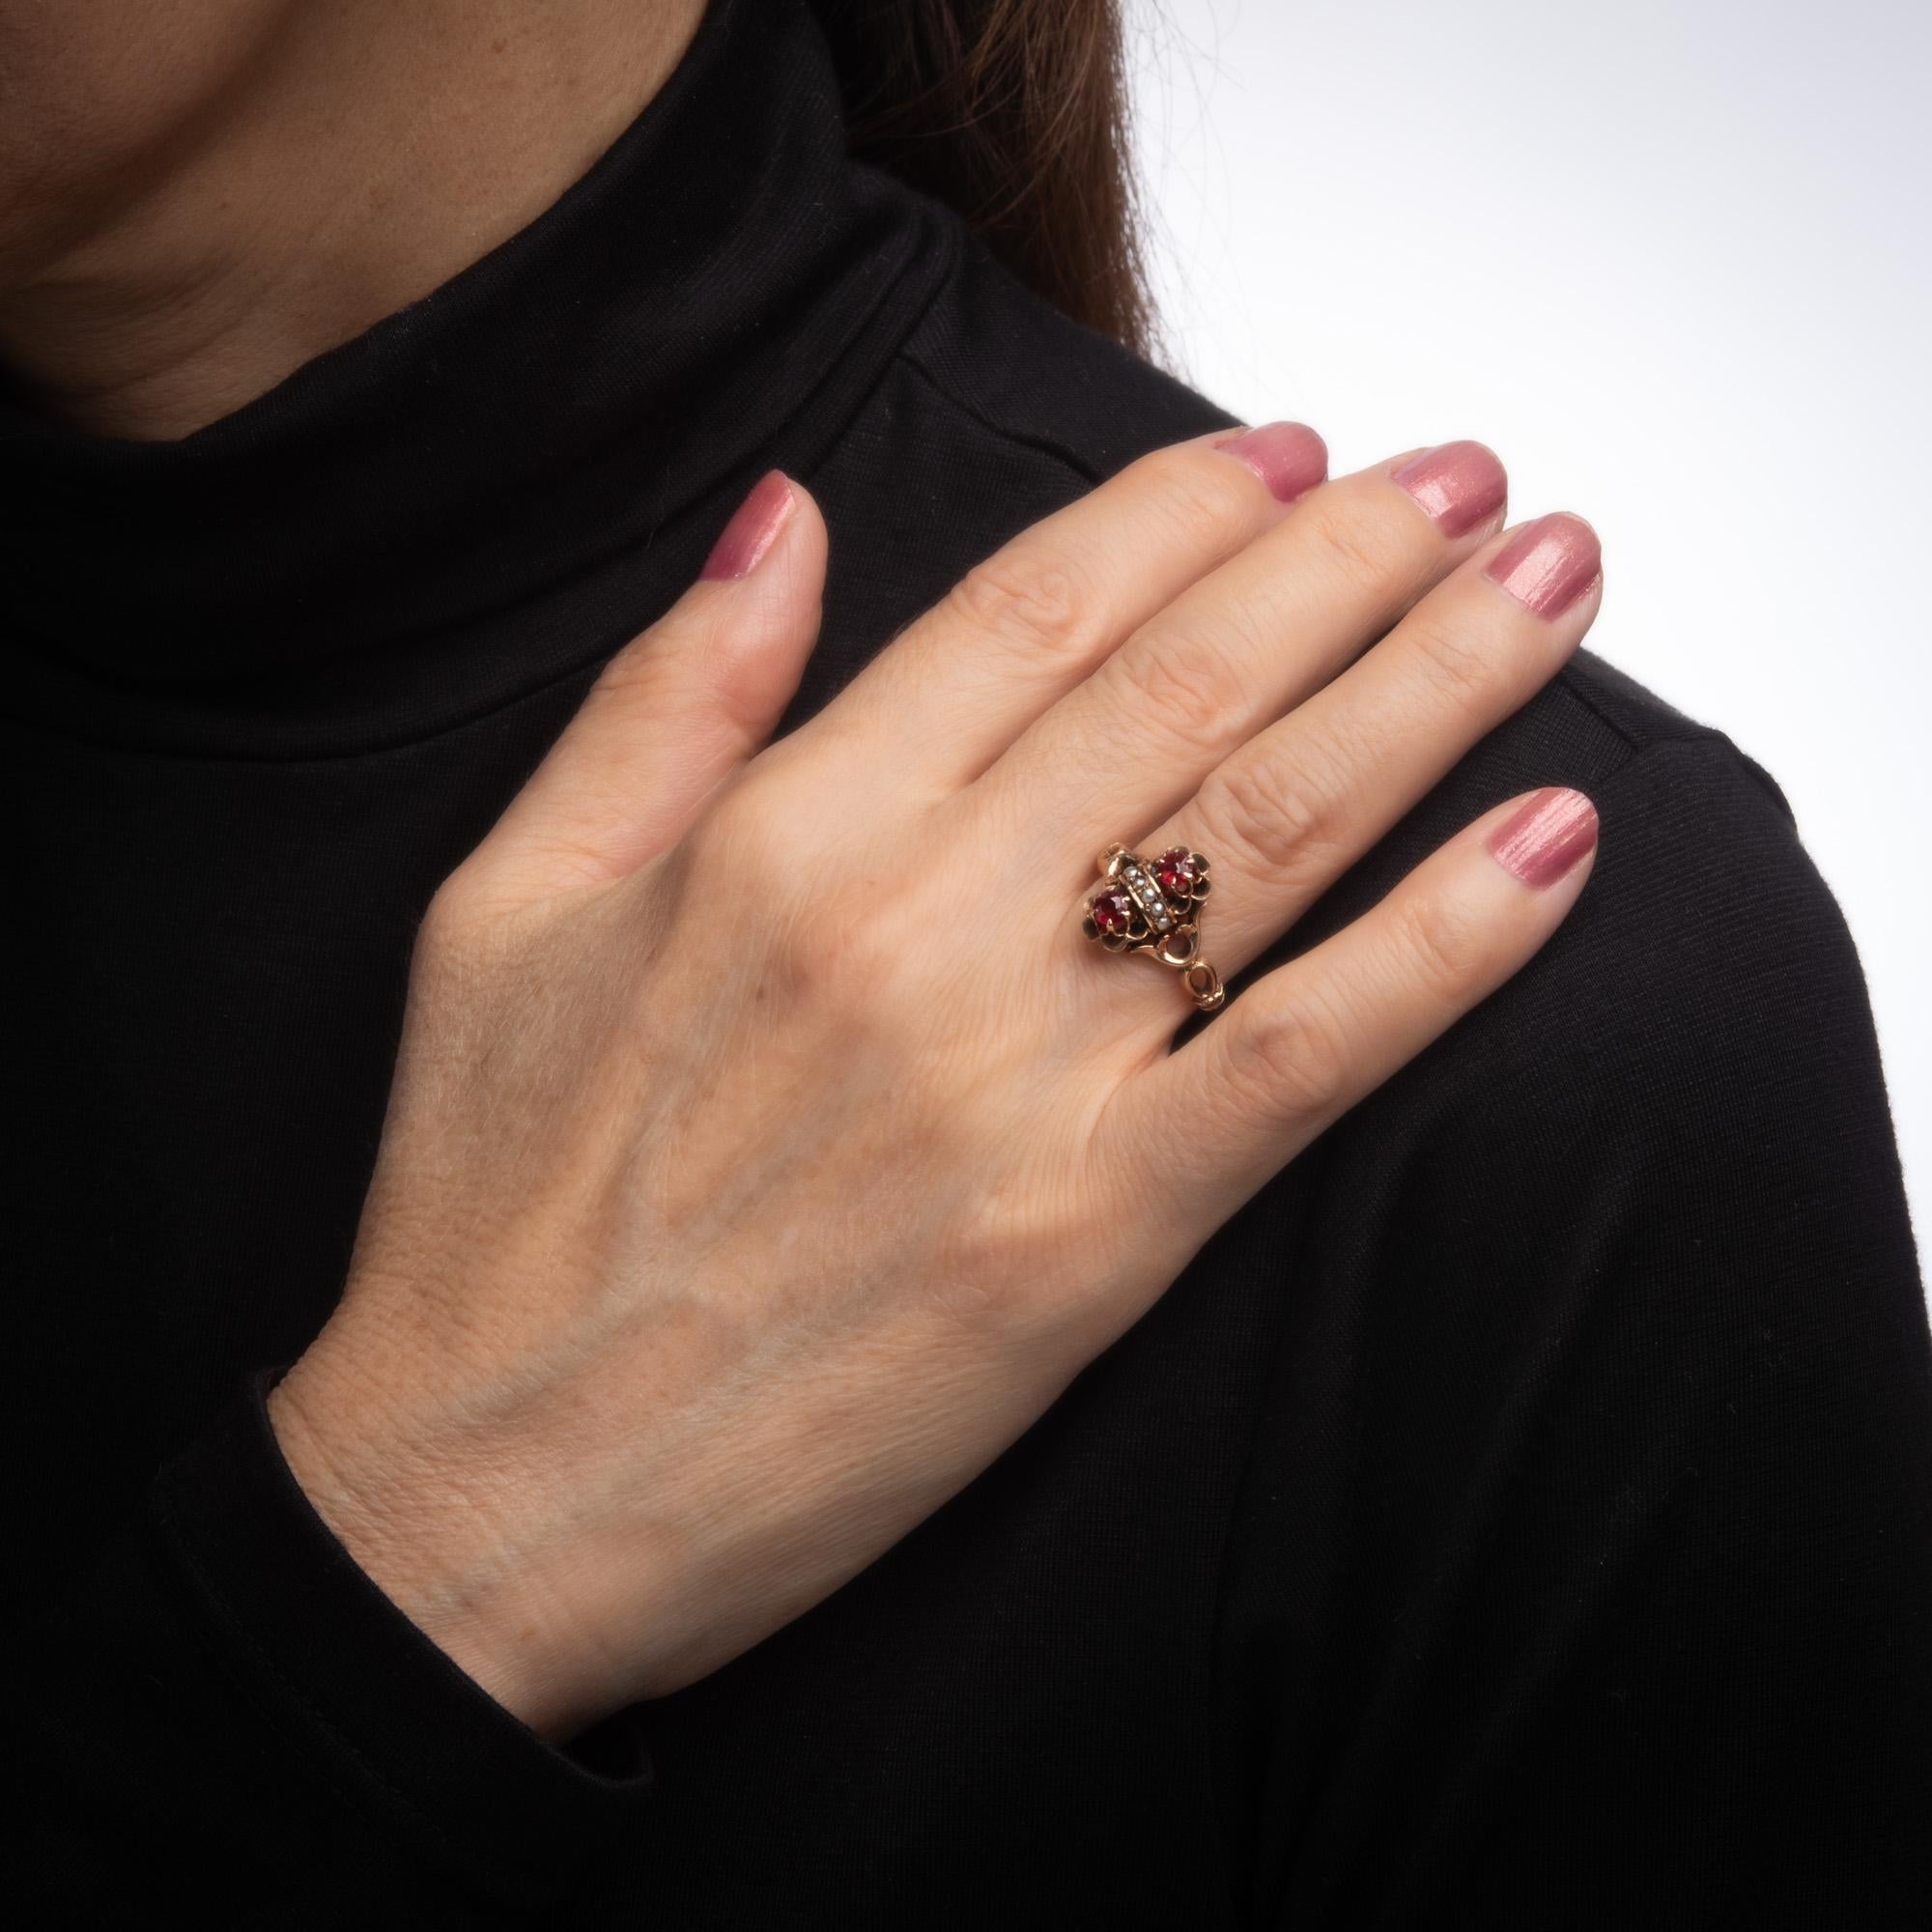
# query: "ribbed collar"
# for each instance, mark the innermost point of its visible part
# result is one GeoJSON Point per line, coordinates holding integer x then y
{"type": "Point", "coordinates": [398, 533]}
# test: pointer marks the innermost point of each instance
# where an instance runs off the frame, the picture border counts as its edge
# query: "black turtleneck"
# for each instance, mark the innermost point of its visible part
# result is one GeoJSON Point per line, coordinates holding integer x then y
{"type": "Point", "coordinates": [1519, 1515]}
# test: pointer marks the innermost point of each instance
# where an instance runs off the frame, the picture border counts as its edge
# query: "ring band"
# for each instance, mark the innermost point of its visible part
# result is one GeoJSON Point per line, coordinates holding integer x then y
{"type": "Point", "coordinates": [1153, 907]}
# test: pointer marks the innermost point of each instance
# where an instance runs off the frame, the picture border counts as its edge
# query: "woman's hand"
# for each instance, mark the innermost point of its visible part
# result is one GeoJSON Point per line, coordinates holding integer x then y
{"type": "Point", "coordinates": [769, 1146]}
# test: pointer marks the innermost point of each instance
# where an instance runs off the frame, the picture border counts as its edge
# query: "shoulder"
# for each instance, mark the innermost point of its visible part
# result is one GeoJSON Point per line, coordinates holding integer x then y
{"type": "Point", "coordinates": [1704, 983]}
{"type": "Point", "coordinates": [999, 409]}
{"type": "Point", "coordinates": [1020, 409]}
{"type": "Point", "coordinates": [993, 351]}
{"type": "Point", "coordinates": [1707, 963]}
{"type": "Point", "coordinates": [1693, 1047]}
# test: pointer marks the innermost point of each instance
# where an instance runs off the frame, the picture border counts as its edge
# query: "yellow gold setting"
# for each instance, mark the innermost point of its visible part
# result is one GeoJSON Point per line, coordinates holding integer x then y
{"type": "Point", "coordinates": [1152, 906]}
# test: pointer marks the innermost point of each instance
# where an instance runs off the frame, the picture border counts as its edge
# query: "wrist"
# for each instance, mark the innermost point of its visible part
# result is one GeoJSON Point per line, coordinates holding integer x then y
{"type": "Point", "coordinates": [435, 1556]}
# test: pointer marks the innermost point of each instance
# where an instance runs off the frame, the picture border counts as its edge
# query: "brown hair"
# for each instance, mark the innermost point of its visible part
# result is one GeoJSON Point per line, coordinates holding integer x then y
{"type": "Point", "coordinates": [1013, 113]}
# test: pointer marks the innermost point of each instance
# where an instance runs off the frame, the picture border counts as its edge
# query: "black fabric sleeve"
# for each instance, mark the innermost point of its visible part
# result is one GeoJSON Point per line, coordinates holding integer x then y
{"type": "Point", "coordinates": [1583, 1571]}
{"type": "Point", "coordinates": [227, 1715]}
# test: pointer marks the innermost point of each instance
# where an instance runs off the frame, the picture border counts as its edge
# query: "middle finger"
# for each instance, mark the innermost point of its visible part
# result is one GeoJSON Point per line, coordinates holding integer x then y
{"type": "Point", "coordinates": [1297, 805]}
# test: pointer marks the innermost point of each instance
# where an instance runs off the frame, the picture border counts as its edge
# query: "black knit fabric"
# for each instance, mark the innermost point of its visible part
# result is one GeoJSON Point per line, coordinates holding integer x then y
{"type": "Point", "coordinates": [1520, 1515]}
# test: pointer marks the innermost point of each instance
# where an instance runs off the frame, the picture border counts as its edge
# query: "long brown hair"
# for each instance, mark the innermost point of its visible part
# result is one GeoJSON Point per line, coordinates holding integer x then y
{"type": "Point", "coordinates": [1014, 113]}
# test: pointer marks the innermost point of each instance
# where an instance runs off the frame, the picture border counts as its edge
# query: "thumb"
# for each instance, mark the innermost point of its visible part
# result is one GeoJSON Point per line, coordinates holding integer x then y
{"type": "Point", "coordinates": [676, 711]}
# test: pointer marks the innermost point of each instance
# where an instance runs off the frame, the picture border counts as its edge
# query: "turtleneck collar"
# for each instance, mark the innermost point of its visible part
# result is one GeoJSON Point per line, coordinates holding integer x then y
{"type": "Point", "coordinates": [451, 507]}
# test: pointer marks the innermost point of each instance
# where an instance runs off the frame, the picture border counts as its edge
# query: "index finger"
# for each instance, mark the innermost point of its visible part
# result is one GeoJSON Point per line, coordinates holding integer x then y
{"type": "Point", "coordinates": [941, 702]}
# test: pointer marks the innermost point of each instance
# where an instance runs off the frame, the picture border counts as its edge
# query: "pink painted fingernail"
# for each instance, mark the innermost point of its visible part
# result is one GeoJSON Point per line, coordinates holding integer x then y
{"type": "Point", "coordinates": [1457, 483]}
{"type": "Point", "coordinates": [754, 529]}
{"type": "Point", "coordinates": [1290, 458]}
{"type": "Point", "coordinates": [1540, 844]}
{"type": "Point", "coordinates": [1549, 564]}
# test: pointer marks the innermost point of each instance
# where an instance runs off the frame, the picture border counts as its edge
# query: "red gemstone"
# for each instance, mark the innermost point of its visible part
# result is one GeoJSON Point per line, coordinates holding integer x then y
{"type": "Point", "coordinates": [1111, 911]}
{"type": "Point", "coordinates": [1174, 869]}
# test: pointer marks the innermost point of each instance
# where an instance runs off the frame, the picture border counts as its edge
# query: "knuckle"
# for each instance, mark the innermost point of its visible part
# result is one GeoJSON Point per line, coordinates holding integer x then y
{"type": "Point", "coordinates": [1284, 819]}
{"type": "Point", "coordinates": [1182, 678]}
{"type": "Point", "coordinates": [1004, 1259]}
{"type": "Point", "coordinates": [1200, 509]}
{"type": "Point", "coordinates": [840, 964]}
{"type": "Point", "coordinates": [1029, 597]}
{"type": "Point", "coordinates": [1454, 659]}
{"type": "Point", "coordinates": [1357, 546]}
{"type": "Point", "coordinates": [635, 669]}
{"type": "Point", "coordinates": [828, 947]}
{"type": "Point", "coordinates": [1296, 1058]}
{"type": "Point", "coordinates": [1440, 945]}
{"type": "Point", "coordinates": [991, 1258]}
{"type": "Point", "coordinates": [743, 845]}
{"type": "Point", "coordinates": [836, 952]}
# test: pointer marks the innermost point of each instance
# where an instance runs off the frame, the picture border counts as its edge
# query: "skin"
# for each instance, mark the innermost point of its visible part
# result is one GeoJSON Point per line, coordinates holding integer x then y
{"type": "Point", "coordinates": [198, 196]}
{"type": "Point", "coordinates": [745, 1190]}
{"type": "Point", "coordinates": [767, 1147]}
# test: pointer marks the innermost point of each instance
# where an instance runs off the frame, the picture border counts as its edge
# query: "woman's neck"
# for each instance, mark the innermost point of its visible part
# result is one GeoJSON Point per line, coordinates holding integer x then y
{"type": "Point", "coordinates": [191, 210]}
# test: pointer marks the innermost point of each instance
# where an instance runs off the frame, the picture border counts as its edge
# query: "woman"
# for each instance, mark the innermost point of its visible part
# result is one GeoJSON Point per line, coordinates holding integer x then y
{"type": "Point", "coordinates": [758, 1464]}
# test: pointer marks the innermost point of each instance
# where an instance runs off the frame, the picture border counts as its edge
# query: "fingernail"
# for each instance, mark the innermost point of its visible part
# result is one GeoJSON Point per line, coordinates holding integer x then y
{"type": "Point", "coordinates": [1540, 842]}
{"type": "Point", "coordinates": [1290, 458]}
{"type": "Point", "coordinates": [1457, 483]}
{"type": "Point", "coordinates": [753, 529]}
{"type": "Point", "coordinates": [1547, 564]}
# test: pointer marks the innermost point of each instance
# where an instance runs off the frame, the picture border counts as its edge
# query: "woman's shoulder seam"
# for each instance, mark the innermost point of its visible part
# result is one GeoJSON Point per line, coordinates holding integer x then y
{"type": "Point", "coordinates": [1051, 448]}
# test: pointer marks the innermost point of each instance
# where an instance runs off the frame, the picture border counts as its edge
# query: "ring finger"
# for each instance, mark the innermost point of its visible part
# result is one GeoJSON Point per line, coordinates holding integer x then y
{"type": "Point", "coordinates": [1284, 816]}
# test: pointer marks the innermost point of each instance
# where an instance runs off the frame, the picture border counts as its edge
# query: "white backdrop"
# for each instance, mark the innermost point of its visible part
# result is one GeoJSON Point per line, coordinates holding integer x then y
{"type": "Point", "coordinates": [1671, 261]}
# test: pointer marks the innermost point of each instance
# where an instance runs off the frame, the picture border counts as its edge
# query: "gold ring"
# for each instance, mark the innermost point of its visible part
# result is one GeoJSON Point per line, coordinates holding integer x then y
{"type": "Point", "coordinates": [1155, 907]}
